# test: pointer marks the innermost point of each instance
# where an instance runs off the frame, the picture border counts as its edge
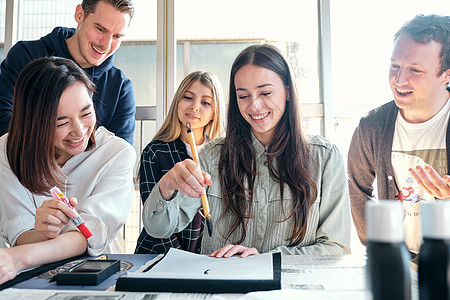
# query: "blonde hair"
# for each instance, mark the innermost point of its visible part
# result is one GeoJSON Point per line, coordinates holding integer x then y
{"type": "Point", "coordinates": [171, 128]}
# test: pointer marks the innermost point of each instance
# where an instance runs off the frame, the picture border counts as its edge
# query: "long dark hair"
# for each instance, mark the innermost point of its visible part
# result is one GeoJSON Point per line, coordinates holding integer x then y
{"type": "Point", "coordinates": [288, 156]}
{"type": "Point", "coordinates": [31, 139]}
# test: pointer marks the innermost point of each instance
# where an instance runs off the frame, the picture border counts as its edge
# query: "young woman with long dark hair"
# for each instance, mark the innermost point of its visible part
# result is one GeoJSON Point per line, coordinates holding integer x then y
{"type": "Point", "coordinates": [273, 188]}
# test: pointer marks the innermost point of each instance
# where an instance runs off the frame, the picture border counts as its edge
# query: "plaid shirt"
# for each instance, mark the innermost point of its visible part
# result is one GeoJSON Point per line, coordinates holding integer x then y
{"type": "Point", "coordinates": [156, 160]}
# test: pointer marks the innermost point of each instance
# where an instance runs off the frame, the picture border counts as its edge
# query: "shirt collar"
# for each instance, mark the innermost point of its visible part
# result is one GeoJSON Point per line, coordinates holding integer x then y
{"type": "Point", "coordinates": [260, 149]}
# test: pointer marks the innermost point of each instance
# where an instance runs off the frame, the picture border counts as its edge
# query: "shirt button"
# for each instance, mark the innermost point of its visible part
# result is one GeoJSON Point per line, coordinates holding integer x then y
{"type": "Point", "coordinates": [161, 203]}
{"type": "Point", "coordinates": [390, 177]}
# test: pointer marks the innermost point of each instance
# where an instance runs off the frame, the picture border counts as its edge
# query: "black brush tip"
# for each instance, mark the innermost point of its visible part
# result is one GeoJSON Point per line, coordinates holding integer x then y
{"type": "Point", "coordinates": [210, 227]}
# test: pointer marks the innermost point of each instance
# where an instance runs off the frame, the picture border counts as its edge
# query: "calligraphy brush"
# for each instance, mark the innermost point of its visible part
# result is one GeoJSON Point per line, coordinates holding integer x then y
{"type": "Point", "coordinates": [205, 204]}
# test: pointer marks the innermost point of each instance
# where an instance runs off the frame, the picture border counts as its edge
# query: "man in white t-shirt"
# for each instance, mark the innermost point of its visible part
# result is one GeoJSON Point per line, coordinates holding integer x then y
{"type": "Point", "coordinates": [403, 147]}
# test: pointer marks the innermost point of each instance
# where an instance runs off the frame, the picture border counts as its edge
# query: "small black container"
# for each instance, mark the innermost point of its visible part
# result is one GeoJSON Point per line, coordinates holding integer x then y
{"type": "Point", "coordinates": [434, 256]}
{"type": "Point", "coordinates": [88, 272]}
{"type": "Point", "coordinates": [387, 269]}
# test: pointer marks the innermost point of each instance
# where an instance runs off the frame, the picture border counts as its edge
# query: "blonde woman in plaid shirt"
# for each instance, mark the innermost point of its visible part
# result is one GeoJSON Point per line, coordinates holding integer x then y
{"type": "Point", "coordinates": [198, 101]}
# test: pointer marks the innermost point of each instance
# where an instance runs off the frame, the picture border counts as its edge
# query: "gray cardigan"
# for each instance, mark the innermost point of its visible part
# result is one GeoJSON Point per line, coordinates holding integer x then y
{"type": "Point", "coordinates": [369, 159]}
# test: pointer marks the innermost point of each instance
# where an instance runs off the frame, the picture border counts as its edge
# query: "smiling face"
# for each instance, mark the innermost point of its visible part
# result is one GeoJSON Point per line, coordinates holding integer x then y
{"type": "Point", "coordinates": [419, 90]}
{"type": "Point", "coordinates": [196, 107]}
{"type": "Point", "coordinates": [98, 35]}
{"type": "Point", "coordinates": [75, 122]}
{"type": "Point", "coordinates": [261, 97]}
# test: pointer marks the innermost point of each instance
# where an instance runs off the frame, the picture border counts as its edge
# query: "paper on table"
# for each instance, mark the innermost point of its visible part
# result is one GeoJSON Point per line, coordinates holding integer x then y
{"type": "Point", "coordinates": [179, 264]}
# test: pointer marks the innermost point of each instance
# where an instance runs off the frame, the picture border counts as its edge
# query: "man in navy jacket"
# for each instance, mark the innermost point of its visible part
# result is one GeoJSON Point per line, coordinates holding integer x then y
{"type": "Point", "coordinates": [101, 27]}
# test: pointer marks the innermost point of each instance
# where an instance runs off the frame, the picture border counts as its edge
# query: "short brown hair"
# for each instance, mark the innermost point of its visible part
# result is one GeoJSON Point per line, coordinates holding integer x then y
{"type": "Point", "coordinates": [424, 29]}
{"type": "Point", "coordinates": [125, 6]}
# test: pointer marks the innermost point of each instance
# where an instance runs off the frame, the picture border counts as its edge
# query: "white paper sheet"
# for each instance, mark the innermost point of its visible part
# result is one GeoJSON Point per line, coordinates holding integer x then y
{"type": "Point", "coordinates": [186, 265]}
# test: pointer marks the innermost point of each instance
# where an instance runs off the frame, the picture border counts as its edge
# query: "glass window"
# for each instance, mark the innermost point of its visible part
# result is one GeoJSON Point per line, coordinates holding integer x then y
{"type": "Point", "coordinates": [39, 17]}
{"type": "Point", "coordinates": [210, 34]}
{"type": "Point", "coordinates": [2, 21]}
{"type": "Point", "coordinates": [2, 27]}
{"type": "Point", "coordinates": [227, 27]}
{"type": "Point", "coordinates": [136, 57]}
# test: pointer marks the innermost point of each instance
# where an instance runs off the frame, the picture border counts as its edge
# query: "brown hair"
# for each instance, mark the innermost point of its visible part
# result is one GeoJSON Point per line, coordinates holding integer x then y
{"type": "Point", "coordinates": [424, 29]}
{"type": "Point", "coordinates": [30, 147]}
{"type": "Point", "coordinates": [126, 6]}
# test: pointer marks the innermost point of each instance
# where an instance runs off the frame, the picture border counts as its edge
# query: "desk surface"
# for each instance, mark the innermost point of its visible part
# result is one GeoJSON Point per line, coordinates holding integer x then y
{"type": "Point", "coordinates": [136, 260]}
{"type": "Point", "coordinates": [310, 277]}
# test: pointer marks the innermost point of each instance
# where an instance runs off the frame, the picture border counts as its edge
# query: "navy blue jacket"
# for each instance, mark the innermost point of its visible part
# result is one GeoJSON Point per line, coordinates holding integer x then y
{"type": "Point", "coordinates": [114, 97]}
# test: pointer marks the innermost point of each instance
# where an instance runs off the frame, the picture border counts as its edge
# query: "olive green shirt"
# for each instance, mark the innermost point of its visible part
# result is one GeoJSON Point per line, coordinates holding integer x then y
{"type": "Point", "coordinates": [328, 224]}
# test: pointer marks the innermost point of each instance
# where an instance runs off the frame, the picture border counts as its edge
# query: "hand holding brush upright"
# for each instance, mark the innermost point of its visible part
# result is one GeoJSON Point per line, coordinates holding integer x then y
{"type": "Point", "coordinates": [191, 186]}
{"type": "Point", "coordinates": [187, 178]}
{"type": "Point", "coordinates": [197, 103]}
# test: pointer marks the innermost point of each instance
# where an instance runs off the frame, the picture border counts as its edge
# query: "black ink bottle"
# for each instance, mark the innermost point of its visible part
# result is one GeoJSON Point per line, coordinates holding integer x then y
{"type": "Point", "coordinates": [434, 256]}
{"type": "Point", "coordinates": [387, 269]}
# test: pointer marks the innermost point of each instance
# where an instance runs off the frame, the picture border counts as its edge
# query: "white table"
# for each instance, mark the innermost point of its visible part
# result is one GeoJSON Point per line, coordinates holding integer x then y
{"type": "Point", "coordinates": [303, 277]}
